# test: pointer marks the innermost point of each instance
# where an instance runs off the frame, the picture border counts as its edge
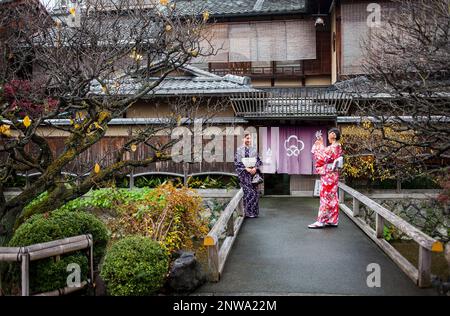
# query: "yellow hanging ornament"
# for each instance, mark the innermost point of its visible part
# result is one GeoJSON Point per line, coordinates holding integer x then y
{"type": "Point", "coordinates": [72, 11]}
{"type": "Point", "coordinates": [194, 53]}
{"type": "Point", "coordinates": [97, 168]}
{"type": "Point", "coordinates": [5, 130]}
{"type": "Point", "coordinates": [133, 147]}
{"type": "Point", "coordinates": [205, 16]}
{"type": "Point", "coordinates": [26, 121]}
{"type": "Point", "coordinates": [98, 126]}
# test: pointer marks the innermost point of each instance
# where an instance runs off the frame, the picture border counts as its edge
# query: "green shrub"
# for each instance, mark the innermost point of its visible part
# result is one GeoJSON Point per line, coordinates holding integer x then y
{"type": "Point", "coordinates": [167, 215]}
{"type": "Point", "coordinates": [50, 275]}
{"type": "Point", "coordinates": [47, 274]}
{"type": "Point", "coordinates": [110, 198]}
{"type": "Point", "coordinates": [135, 266]}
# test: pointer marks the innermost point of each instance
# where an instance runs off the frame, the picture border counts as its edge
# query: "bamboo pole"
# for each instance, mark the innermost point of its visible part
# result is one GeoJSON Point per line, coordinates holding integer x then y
{"type": "Point", "coordinates": [25, 258]}
{"type": "Point", "coordinates": [63, 291]}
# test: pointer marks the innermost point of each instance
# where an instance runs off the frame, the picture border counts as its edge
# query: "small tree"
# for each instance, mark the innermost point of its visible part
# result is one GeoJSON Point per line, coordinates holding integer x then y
{"type": "Point", "coordinates": [407, 61]}
{"type": "Point", "coordinates": [89, 72]}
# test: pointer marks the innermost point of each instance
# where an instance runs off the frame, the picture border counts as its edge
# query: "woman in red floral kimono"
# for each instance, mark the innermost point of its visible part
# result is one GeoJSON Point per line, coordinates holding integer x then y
{"type": "Point", "coordinates": [329, 178]}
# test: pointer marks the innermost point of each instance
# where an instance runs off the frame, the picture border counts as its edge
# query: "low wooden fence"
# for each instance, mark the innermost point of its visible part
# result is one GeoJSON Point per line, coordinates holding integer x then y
{"type": "Point", "coordinates": [229, 222]}
{"type": "Point", "coordinates": [421, 275]}
{"type": "Point", "coordinates": [55, 248]}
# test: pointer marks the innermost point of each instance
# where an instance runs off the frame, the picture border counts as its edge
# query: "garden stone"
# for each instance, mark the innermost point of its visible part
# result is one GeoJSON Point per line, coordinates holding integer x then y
{"type": "Point", "coordinates": [185, 274]}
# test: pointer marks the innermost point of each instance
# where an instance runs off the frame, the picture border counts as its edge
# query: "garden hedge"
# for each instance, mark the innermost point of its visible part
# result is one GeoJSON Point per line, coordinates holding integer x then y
{"type": "Point", "coordinates": [135, 266]}
{"type": "Point", "coordinates": [48, 274]}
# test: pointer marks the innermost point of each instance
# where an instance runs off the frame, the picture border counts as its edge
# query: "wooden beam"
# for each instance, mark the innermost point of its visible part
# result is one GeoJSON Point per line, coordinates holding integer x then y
{"type": "Point", "coordinates": [379, 224]}
{"type": "Point", "coordinates": [228, 244]}
{"type": "Point", "coordinates": [230, 226]}
{"type": "Point", "coordinates": [217, 257]}
{"type": "Point", "coordinates": [355, 207]}
{"type": "Point", "coordinates": [341, 196]}
{"type": "Point", "coordinates": [213, 263]}
{"type": "Point", "coordinates": [347, 209]}
{"type": "Point", "coordinates": [226, 214]}
{"type": "Point", "coordinates": [424, 267]}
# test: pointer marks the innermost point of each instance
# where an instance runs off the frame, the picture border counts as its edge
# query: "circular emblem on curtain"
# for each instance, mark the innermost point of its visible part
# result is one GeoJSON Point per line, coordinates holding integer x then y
{"type": "Point", "coordinates": [294, 149]}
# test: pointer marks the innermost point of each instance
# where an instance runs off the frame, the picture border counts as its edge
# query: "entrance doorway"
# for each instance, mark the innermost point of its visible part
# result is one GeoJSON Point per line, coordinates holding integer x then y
{"type": "Point", "coordinates": [277, 184]}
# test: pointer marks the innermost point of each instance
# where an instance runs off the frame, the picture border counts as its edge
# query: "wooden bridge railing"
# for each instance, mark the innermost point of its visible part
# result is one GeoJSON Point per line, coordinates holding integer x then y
{"type": "Point", "coordinates": [25, 255]}
{"type": "Point", "coordinates": [230, 224]}
{"type": "Point", "coordinates": [422, 275]}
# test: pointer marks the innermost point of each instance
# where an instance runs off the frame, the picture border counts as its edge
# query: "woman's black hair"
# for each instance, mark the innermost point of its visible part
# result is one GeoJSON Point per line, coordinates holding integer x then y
{"type": "Point", "coordinates": [336, 131]}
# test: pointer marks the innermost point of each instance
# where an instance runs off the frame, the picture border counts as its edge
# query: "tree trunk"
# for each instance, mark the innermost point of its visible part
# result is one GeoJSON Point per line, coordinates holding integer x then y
{"type": "Point", "coordinates": [7, 224]}
{"type": "Point", "coordinates": [55, 199]}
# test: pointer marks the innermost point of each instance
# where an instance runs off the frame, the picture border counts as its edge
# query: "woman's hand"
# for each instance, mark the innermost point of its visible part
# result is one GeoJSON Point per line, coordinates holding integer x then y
{"type": "Point", "coordinates": [253, 171]}
{"type": "Point", "coordinates": [319, 141]}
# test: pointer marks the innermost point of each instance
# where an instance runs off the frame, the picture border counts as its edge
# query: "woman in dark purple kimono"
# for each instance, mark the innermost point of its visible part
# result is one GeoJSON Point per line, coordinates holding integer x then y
{"type": "Point", "coordinates": [245, 175]}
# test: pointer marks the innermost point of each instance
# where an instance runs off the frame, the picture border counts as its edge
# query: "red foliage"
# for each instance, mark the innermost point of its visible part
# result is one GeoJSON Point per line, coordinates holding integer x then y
{"type": "Point", "coordinates": [27, 98]}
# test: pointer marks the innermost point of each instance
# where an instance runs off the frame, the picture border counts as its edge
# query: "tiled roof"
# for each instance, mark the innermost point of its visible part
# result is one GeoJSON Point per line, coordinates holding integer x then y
{"type": "Point", "coordinates": [242, 7]}
{"type": "Point", "coordinates": [202, 83]}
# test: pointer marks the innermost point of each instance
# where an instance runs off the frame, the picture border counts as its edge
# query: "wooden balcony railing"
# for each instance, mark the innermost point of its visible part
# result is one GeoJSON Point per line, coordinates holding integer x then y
{"type": "Point", "coordinates": [304, 102]}
{"type": "Point", "coordinates": [292, 72]}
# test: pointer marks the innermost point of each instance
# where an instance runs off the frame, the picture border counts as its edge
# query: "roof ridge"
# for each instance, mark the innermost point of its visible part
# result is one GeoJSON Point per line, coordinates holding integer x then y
{"type": "Point", "coordinates": [197, 71]}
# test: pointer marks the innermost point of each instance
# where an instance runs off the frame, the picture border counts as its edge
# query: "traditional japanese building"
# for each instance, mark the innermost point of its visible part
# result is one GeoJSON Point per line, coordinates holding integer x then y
{"type": "Point", "coordinates": [280, 68]}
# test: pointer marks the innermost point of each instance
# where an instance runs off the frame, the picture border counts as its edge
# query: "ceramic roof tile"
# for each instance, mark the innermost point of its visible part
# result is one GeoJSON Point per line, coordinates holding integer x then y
{"type": "Point", "coordinates": [242, 7]}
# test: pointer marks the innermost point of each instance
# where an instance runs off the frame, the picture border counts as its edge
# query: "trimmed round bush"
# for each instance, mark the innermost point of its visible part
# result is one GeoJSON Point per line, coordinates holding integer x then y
{"type": "Point", "coordinates": [135, 266]}
{"type": "Point", "coordinates": [49, 274]}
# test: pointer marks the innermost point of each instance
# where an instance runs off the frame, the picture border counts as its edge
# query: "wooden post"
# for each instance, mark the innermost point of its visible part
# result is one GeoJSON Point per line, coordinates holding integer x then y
{"type": "Point", "coordinates": [91, 259]}
{"type": "Point", "coordinates": [185, 174]}
{"type": "Point", "coordinates": [133, 154]}
{"type": "Point", "coordinates": [27, 180]}
{"type": "Point", "coordinates": [241, 210]}
{"type": "Point", "coordinates": [424, 267]}
{"type": "Point", "coordinates": [341, 196]}
{"type": "Point", "coordinates": [399, 185]}
{"type": "Point", "coordinates": [132, 178]}
{"type": "Point", "coordinates": [355, 207]}
{"type": "Point", "coordinates": [230, 226]}
{"type": "Point", "coordinates": [213, 262]}
{"type": "Point", "coordinates": [379, 226]}
{"type": "Point", "coordinates": [25, 274]}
